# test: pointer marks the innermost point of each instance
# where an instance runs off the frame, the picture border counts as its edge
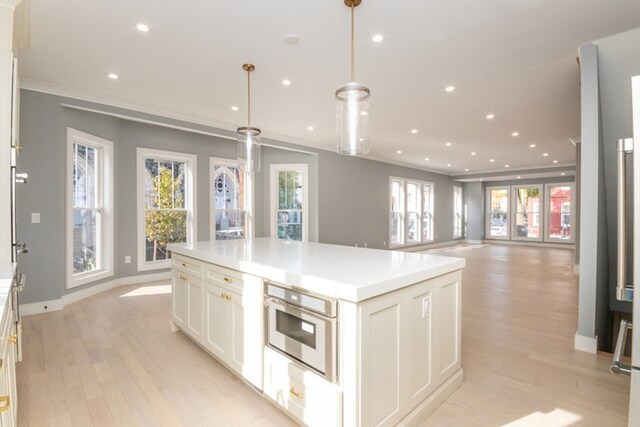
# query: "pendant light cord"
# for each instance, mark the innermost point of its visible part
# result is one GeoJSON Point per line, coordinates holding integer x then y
{"type": "Point", "coordinates": [249, 98]}
{"type": "Point", "coordinates": [353, 46]}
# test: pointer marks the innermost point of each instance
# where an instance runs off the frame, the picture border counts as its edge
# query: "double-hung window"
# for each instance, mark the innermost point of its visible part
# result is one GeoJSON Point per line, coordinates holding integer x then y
{"type": "Point", "coordinates": [166, 204]}
{"type": "Point", "coordinates": [289, 202]}
{"type": "Point", "coordinates": [457, 212]}
{"type": "Point", "coordinates": [89, 208]}
{"type": "Point", "coordinates": [228, 195]}
{"type": "Point", "coordinates": [410, 212]}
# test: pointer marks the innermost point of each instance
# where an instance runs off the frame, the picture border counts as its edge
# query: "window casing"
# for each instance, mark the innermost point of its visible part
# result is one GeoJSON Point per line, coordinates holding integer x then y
{"type": "Point", "coordinates": [457, 212]}
{"type": "Point", "coordinates": [497, 215]}
{"type": "Point", "coordinates": [165, 204]}
{"type": "Point", "coordinates": [411, 212]}
{"type": "Point", "coordinates": [229, 188]}
{"type": "Point", "coordinates": [89, 208]}
{"type": "Point", "coordinates": [289, 201]}
{"type": "Point", "coordinates": [559, 209]}
{"type": "Point", "coordinates": [526, 209]}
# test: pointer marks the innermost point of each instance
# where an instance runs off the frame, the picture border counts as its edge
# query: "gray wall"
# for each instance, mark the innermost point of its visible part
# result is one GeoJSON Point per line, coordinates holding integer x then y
{"type": "Point", "coordinates": [348, 196]}
{"type": "Point", "coordinates": [618, 61]}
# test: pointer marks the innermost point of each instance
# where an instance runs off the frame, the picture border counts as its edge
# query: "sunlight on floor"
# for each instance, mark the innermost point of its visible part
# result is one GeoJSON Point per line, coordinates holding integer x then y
{"type": "Point", "coordinates": [148, 290]}
{"type": "Point", "coordinates": [558, 418]}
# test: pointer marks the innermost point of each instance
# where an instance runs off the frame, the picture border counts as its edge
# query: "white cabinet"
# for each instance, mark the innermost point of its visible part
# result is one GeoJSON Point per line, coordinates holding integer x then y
{"type": "Point", "coordinates": [233, 326]}
{"type": "Point", "coordinates": [410, 345]}
{"type": "Point", "coordinates": [187, 296]}
{"type": "Point", "coordinates": [221, 309]}
{"type": "Point", "coordinates": [8, 341]}
{"type": "Point", "coordinates": [306, 396]}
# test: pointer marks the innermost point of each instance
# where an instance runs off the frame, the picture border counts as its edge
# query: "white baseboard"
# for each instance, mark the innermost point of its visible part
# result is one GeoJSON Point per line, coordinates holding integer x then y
{"type": "Point", "coordinates": [558, 245]}
{"type": "Point", "coordinates": [70, 298]}
{"type": "Point", "coordinates": [587, 344]}
{"type": "Point", "coordinates": [420, 248]}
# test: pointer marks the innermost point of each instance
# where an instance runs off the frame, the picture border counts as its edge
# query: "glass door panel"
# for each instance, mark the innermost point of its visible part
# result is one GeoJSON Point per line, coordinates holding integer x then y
{"type": "Point", "coordinates": [497, 226]}
{"type": "Point", "coordinates": [559, 212]}
{"type": "Point", "coordinates": [527, 202]}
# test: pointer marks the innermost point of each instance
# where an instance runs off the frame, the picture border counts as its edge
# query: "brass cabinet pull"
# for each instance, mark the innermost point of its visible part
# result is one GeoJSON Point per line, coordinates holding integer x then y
{"type": "Point", "coordinates": [13, 339]}
{"type": "Point", "coordinates": [17, 147]}
{"type": "Point", "coordinates": [225, 296]}
{"type": "Point", "coordinates": [296, 393]}
{"type": "Point", "coordinates": [183, 277]}
{"type": "Point", "coordinates": [185, 265]}
{"type": "Point", "coordinates": [1, 363]}
{"type": "Point", "coordinates": [228, 279]}
{"type": "Point", "coordinates": [4, 403]}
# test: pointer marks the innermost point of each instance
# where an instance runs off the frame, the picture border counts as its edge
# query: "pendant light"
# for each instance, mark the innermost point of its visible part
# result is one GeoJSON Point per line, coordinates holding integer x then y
{"type": "Point", "coordinates": [352, 106]}
{"type": "Point", "coordinates": [249, 137]}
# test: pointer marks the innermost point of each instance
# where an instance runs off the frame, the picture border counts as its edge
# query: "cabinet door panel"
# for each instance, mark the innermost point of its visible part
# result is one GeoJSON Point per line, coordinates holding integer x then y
{"type": "Point", "coordinates": [217, 332]}
{"type": "Point", "coordinates": [420, 342]}
{"type": "Point", "coordinates": [238, 336]}
{"type": "Point", "coordinates": [449, 315]}
{"type": "Point", "coordinates": [179, 300]}
{"type": "Point", "coordinates": [194, 303]}
{"type": "Point", "coordinates": [383, 337]}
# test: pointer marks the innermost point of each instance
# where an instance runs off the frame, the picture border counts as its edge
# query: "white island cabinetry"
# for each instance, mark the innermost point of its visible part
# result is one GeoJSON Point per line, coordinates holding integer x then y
{"type": "Point", "coordinates": [398, 326]}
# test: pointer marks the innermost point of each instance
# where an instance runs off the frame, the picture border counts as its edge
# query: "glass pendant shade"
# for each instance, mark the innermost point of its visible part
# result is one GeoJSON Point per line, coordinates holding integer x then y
{"type": "Point", "coordinates": [352, 119]}
{"type": "Point", "coordinates": [249, 149]}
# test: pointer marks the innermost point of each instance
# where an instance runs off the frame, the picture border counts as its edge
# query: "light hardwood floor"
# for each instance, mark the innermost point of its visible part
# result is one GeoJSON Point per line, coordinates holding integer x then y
{"type": "Point", "coordinates": [111, 359]}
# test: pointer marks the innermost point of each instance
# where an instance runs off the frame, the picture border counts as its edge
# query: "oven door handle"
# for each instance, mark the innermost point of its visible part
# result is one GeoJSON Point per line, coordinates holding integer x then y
{"type": "Point", "coordinates": [270, 300]}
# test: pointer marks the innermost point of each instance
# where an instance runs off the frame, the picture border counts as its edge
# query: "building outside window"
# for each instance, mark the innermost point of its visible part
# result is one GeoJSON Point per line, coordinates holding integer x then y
{"type": "Point", "coordinates": [90, 208]}
{"type": "Point", "coordinates": [410, 212]}
{"type": "Point", "coordinates": [228, 200]}
{"type": "Point", "coordinates": [166, 204]}
{"type": "Point", "coordinates": [289, 201]}
{"type": "Point", "coordinates": [413, 211]}
{"type": "Point", "coordinates": [427, 211]}
{"type": "Point", "coordinates": [497, 226]}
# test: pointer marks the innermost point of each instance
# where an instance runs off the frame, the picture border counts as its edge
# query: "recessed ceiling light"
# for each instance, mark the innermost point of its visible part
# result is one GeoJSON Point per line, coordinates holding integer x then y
{"type": "Point", "coordinates": [377, 38]}
{"type": "Point", "coordinates": [310, 128]}
{"type": "Point", "coordinates": [448, 165]}
{"type": "Point", "coordinates": [143, 28]}
{"type": "Point", "coordinates": [506, 166]}
{"type": "Point", "coordinates": [466, 170]}
{"type": "Point", "coordinates": [490, 116]}
{"type": "Point", "coordinates": [450, 88]}
{"type": "Point", "coordinates": [399, 152]}
{"type": "Point", "coordinates": [492, 160]}
{"type": "Point", "coordinates": [291, 39]}
{"type": "Point", "coordinates": [426, 159]}
{"type": "Point", "coordinates": [480, 179]}
{"type": "Point", "coordinates": [532, 145]}
{"type": "Point", "coordinates": [555, 161]}
{"type": "Point", "coordinates": [518, 177]}
{"type": "Point", "coordinates": [563, 174]}
{"type": "Point", "coordinates": [473, 153]}
{"type": "Point", "coordinates": [414, 131]}
{"type": "Point", "coordinates": [286, 82]}
{"type": "Point", "coordinates": [113, 76]}
{"type": "Point", "coordinates": [448, 144]}
{"type": "Point", "coordinates": [234, 108]}
{"type": "Point", "coordinates": [515, 134]}
{"type": "Point", "coordinates": [545, 154]}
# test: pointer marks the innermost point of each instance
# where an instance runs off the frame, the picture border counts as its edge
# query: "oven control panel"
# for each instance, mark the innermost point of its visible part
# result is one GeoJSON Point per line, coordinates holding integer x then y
{"type": "Point", "coordinates": [319, 305]}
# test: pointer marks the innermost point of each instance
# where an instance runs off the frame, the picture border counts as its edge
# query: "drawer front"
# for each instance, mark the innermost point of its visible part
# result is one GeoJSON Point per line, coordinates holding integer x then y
{"type": "Point", "coordinates": [224, 277]}
{"type": "Point", "coordinates": [303, 394]}
{"type": "Point", "coordinates": [186, 264]}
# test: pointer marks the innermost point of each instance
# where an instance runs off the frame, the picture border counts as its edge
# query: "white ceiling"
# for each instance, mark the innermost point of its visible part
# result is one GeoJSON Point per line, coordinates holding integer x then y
{"type": "Point", "coordinates": [515, 59]}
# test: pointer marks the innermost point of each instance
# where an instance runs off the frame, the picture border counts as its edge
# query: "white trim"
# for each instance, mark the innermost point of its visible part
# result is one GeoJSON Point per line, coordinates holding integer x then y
{"type": "Point", "coordinates": [70, 298]}
{"type": "Point", "coordinates": [104, 188]}
{"type": "Point", "coordinates": [587, 344]}
{"type": "Point", "coordinates": [557, 245]}
{"type": "Point", "coordinates": [191, 192]}
{"type": "Point", "coordinates": [429, 246]}
{"type": "Point", "coordinates": [432, 211]}
{"type": "Point", "coordinates": [458, 188]}
{"type": "Point", "coordinates": [514, 210]}
{"type": "Point", "coordinates": [401, 211]}
{"type": "Point", "coordinates": [419, 212]}
{"type": "Point", "coordinates": [273, 190]}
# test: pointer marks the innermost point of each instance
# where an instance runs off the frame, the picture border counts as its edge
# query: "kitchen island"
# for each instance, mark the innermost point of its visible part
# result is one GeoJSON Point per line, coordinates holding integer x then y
{"type": "Point", "coordinates": [395, 327]}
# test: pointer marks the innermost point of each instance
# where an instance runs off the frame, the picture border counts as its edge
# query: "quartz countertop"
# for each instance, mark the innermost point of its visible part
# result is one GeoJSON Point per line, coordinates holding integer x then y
{"type": "Point", "coordinates": [342, 272]}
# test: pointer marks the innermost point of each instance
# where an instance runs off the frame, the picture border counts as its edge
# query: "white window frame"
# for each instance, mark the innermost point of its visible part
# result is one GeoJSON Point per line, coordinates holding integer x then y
{"type": "Point", "coordinates": [430, 213]}
{"type": "Point", "coordinates": [104, 239]}
{"type": "Point", "coordinates": [514, 213]}
{"type": "Point", "coordinates": [487, 224]}
{"type": "Point", "coordinates": [402, 206]}
{"type": "Point", "coordinates": [420, 205]}
{"type": "Point", "coordinates": [457, 214]}
{"type": "Point", "coordinates": [547, 211]}
{"type": "Point", "coordinates": [294, 167]}
{"type": "Point", "coordinates": [248, 202]}
{"type": "Point", "coordinates": [189, 202]}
